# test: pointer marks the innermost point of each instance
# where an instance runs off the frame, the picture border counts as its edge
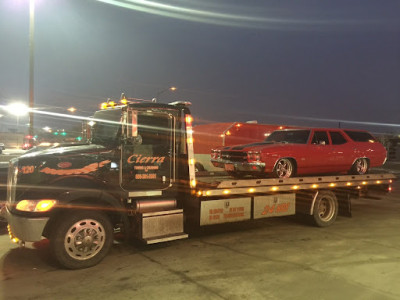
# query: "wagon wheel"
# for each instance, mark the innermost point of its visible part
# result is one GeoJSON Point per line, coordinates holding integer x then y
{"type": "Point", "coordinates": [360, 167]}
{"type": "Point", "coordinates": [284, 168]}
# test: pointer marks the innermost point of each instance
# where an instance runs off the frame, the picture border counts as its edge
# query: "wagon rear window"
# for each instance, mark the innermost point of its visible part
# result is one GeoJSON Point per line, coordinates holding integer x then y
{"type": "Point", "coordinates": [360, 136]}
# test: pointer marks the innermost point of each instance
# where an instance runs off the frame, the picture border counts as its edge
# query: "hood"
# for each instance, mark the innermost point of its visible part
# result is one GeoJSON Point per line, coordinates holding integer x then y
{"type": "Point", "coordinates": [254, 146]}
{"type": "Point", "coordinates": [61, 161]}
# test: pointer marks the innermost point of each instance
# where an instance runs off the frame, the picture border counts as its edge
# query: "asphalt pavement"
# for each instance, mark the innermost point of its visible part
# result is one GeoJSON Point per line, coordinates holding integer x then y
{"type": "Point", "coordinates": [276, 258]}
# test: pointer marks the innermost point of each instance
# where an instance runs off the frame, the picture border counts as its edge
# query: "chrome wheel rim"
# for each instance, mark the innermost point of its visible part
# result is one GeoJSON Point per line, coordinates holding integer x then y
{"type": "Point", "coordinates": [84, 239]}
{"type": "Point", "coordinates": [361, 166]}
{"type": "Point", "coordinates": [284, 168]}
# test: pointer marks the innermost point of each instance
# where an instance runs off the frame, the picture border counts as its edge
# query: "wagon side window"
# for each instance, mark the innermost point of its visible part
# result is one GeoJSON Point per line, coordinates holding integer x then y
{"type": "Point", "coordinates": [360, 136]}
{"type": "Point", "coordinates": [320, 138]}
{"type": "Point", "coordinates": [337, 138]}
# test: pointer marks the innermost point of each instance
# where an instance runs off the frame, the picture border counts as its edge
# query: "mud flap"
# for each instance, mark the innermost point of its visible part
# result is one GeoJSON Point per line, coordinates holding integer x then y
{"type": "Point", "coordinates": [344, 201]}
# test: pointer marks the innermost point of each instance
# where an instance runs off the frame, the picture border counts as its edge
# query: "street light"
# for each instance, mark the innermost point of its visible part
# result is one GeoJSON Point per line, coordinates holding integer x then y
{"type": "Point", "coordinates": [171, 88]}
{"type": "Point", "coordinates": [17, 109]}
{"type": "Point", "coordinates": [31, 62]}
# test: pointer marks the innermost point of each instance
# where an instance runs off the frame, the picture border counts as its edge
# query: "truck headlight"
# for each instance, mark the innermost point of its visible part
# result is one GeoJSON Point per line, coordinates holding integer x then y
{"type": "Point", "coordinates": [36, 205]}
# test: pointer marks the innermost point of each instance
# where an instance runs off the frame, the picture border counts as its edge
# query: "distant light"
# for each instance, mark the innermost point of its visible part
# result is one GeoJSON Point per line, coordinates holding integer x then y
{"type": "Point", "coordinates": [72, 109]}
{"type": "Point", "coordinates": [17, 109]}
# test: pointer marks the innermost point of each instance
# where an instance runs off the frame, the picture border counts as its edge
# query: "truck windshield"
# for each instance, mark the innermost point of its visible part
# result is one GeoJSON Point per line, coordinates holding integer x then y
{"type": "Point", "coordinates": [289, 136]}
{"type": "Point", "coordinates": [107, 124]}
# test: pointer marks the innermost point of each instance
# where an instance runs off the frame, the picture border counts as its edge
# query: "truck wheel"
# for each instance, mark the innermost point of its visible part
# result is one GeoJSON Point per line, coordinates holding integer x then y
{"type": "Point", "coordinates": [81, 239]}
{"type": "Point", "coordinates": [360, 167]}
{"type": "Point", "coordinates": [325, 209]}
{"type": "Point", "coordinates": [284, 168]}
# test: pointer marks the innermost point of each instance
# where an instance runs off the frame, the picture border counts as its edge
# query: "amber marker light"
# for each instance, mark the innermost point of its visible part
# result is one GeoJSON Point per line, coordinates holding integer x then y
{"type": "Point", "coordinates": [191, 161]}
{"type": "Point", "coordinates": [103, 105]}
{"type": "Point", "coordinates": [207, 193]}
{"type": "Point", "coordinates": [193, 183]}
{"type": "Point", "coordinates": [332, 184]}
{"type": "Point", "coordinates": [274, 188]}
{"type": "Point", "coordinates": [226, 192]}
{"type": "Point", "coordinates": [314, 186]}
{"type": "Point", "coordinates": [364, 182]}
{"type": "Point", "coordinates": [252, 190]}
{"type": "Point", "coordinates": [390, 181]}
{"type": "Point", "coordinates": [295, 187]}
{"type": "Point", "coordinates": [189, 119]}
{"type": "Point", "coordinates": [378, 182]}
{"type": "Point", "coordinates": [348, 183]}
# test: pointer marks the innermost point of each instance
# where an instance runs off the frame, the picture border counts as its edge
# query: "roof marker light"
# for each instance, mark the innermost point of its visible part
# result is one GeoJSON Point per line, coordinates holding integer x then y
{"type": "Point", "coordinates": [332, 184]}
{"type": "Point", "coordinates": [189, 119]}
{"type": "Point", "coordinates": [226, 192]}
{"type": "Point", "coordinates": [314, 186]}
{"type": "Point", "coordinates": [252, 190]}
{"type": "Point", "coordinates": [295, 187]}
{"type": "Point", "coordinates": [274, 188]}
{"type": "Point", "coordinates": [364, 182]}
{"type": "Point", "coordinates": [348, 183]}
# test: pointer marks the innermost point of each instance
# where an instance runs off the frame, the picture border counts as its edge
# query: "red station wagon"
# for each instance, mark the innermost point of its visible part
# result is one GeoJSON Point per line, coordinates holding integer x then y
{"type": "Point", "coordinates": [287, 153]}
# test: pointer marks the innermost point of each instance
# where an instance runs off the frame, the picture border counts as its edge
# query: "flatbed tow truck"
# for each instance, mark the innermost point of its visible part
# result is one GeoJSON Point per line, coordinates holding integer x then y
{"type": "Point", "coordinates": [137, 176]}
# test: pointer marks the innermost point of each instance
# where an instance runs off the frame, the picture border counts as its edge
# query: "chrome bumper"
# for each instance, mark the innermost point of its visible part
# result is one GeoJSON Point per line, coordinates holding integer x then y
{"type": "Point", "coordinates": [239, 166]}
{"type": "Point", "coordinates": [25, 229]}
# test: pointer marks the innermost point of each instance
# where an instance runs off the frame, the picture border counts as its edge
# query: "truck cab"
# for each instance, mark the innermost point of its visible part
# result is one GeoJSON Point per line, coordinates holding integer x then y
{"type": "Point", "coordinates": [131, 176]}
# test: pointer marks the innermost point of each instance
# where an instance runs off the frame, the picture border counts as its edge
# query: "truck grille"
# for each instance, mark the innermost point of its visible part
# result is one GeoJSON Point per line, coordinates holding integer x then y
{"type": "Point", "coordinates": [234, 156]}
{"type": "Point", "coordinates": [12, 181]}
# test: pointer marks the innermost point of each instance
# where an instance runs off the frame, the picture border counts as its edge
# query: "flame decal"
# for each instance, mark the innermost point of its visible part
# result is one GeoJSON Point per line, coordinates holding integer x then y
{"type": "Point", "coordinates": [85, 170]}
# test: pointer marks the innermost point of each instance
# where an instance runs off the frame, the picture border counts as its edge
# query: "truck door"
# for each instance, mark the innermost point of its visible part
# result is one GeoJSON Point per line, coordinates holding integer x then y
{"type": "Point", "coordinates": [147, 155]}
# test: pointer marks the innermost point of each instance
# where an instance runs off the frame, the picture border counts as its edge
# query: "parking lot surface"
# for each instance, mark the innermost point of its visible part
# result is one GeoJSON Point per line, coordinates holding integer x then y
{"type": "Point", "coordinates": [278, 258]}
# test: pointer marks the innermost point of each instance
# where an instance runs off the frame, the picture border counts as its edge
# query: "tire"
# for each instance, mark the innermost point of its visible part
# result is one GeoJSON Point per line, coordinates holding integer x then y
{"type": "Point", "coordinates": [284, 168]}
{"type": "Point", "coordinates": [325, 209]}
{"type": "Point", "coordinates": [360, 167]}
{"type": "Point", "coordinates": [199, 167]}
{"type": "Point", "coordinates": [81, 239]}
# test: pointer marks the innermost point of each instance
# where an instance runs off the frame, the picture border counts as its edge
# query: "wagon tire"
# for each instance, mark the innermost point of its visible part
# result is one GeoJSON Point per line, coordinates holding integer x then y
{"type": "Point", "coordinates": [360, 167]}
{"type": "Point", "coordinates": [81, 239]}
{"type": "Point", "coordinates": [199, 167]}
{"type": "Point", "coordinates": [325, 209]}
{"type": "Point", "coordinates": [284, 168]}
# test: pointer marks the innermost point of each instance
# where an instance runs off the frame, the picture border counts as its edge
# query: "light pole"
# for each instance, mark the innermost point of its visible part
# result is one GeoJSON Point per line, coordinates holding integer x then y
{"type": "Point", "coordinates": [31, 62]}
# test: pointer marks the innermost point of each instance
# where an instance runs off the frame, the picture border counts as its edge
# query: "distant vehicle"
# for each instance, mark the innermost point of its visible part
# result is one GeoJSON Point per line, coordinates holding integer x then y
{"type": "Point", "coordinates": [287, 153]}
{"type": "Point", "coordinates": [26, 146]}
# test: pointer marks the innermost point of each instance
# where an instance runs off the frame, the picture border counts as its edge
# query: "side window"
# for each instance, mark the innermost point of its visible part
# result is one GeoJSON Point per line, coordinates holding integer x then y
{"type": "Point", "coordinates": [337, 138]}
{"type": "Point", "coordinates": [320, 138]}
{"type": "Point", "coordinates": [360, 136]}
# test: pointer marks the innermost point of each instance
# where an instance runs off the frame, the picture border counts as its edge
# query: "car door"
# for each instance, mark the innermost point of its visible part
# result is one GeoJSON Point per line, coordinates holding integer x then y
{"type": "Point", "coordinates": [319, 153]}
{"type": "Point", "coordinates": [342, 153]}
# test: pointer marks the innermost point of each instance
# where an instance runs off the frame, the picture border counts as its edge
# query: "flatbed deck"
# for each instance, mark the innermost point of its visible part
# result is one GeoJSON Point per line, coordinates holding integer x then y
{"type": "Point", "coordinates": [219, 185]}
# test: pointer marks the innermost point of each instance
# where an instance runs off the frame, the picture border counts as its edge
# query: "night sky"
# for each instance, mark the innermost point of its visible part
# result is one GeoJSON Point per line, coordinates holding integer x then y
{"type": "Point", "coordinates": [306, 62]}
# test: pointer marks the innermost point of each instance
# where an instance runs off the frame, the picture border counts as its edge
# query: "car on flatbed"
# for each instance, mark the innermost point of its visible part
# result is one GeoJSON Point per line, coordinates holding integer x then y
{"type": "Point", "coordinates": [291, 152]}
